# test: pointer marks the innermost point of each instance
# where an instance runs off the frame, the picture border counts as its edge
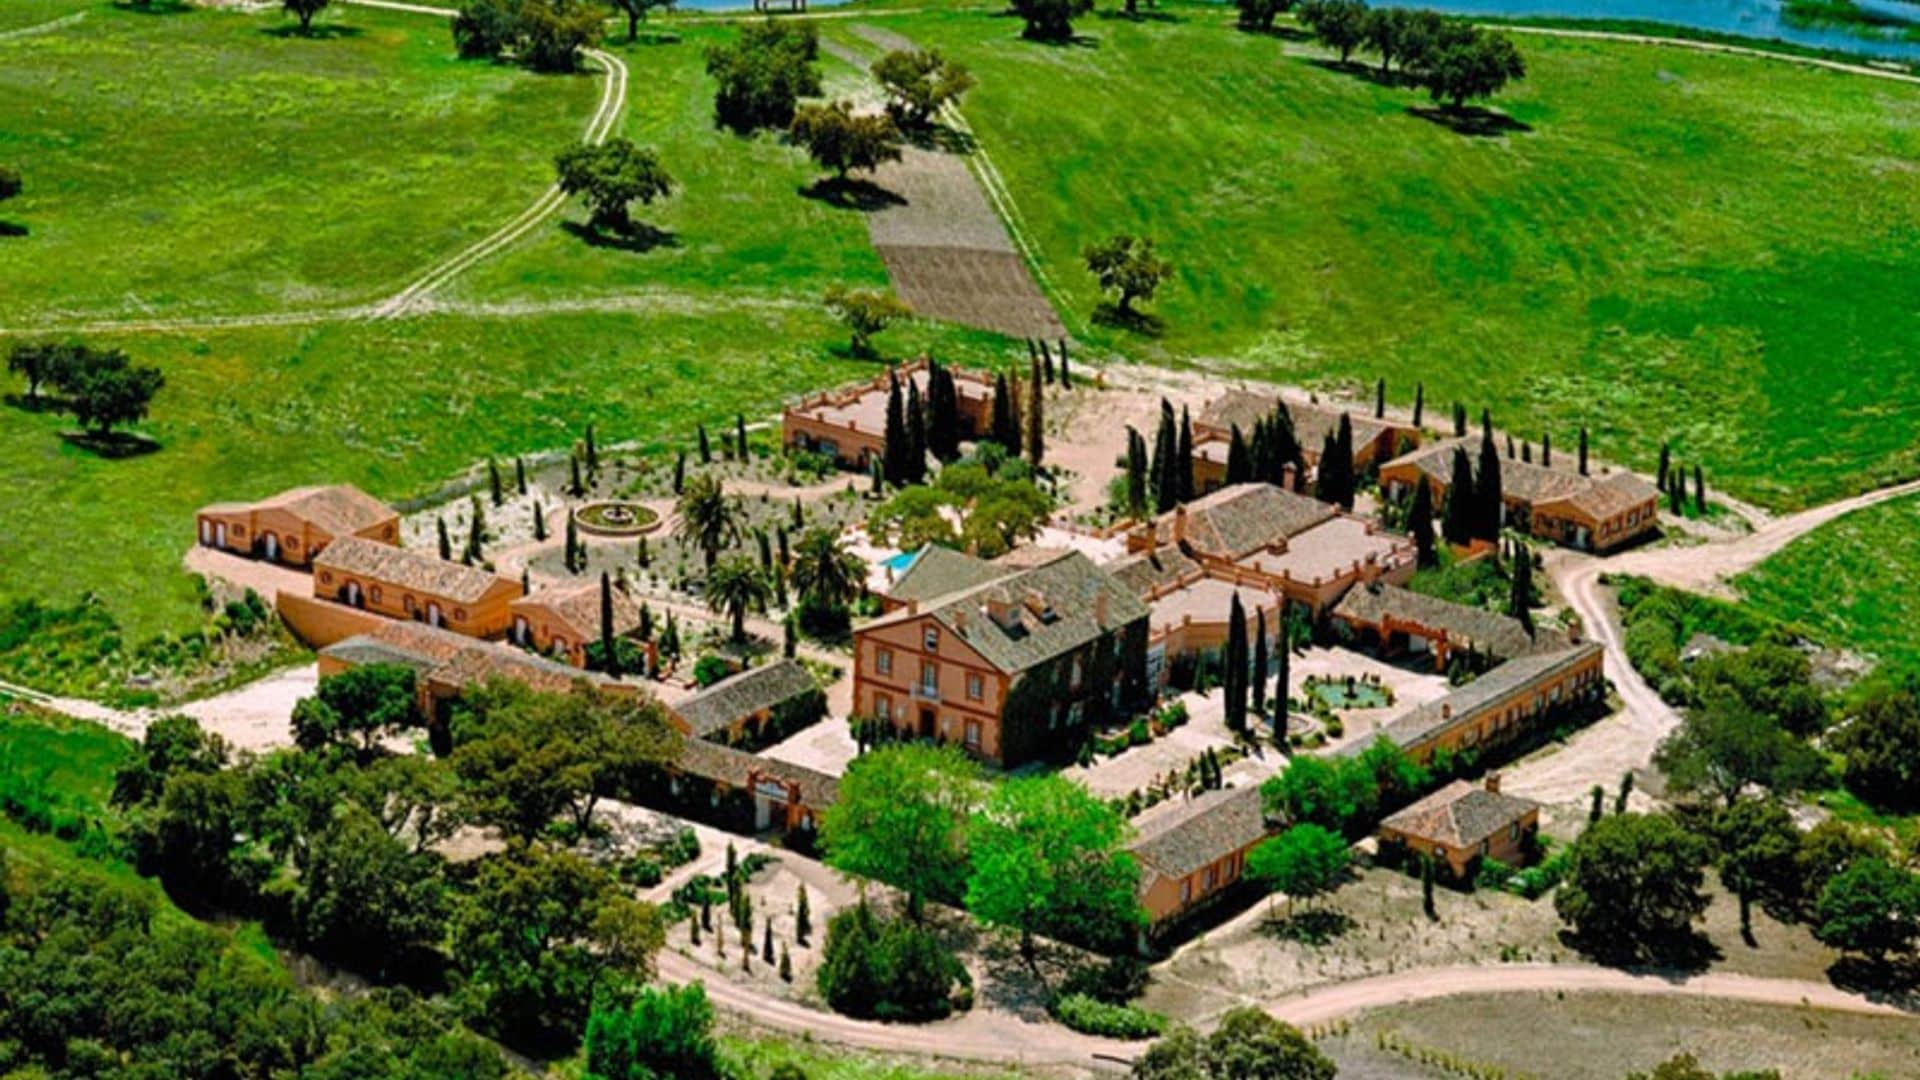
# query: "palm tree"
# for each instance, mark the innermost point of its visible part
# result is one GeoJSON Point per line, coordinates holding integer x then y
{"type": "Point", "coordinates": [708, 519]}
{"type": "Point", "coordinates": [734, 586]}
{"type": "Point", "coordinates": [824, 571]}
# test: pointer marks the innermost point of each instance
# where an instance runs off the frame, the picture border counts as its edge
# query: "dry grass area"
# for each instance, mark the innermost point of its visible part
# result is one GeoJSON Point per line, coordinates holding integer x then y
{"type": "Point", "coordinates": [1602, 1036]}
{"type": "Point", "coordinates": [1379, 928]}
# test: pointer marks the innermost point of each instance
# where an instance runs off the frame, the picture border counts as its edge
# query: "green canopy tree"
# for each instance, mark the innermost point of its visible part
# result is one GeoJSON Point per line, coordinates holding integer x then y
{"type": "Point", "coordinates": [1050, 20]}
{"type": "Point", "coordinates": [736, 586]}
{"type": "Point", "coordinates": [919, 83]}
{"type": "Point", "coordinates": [1633, 884]}
{"type": "Point", "coordinates": [304, 10]}
{"type": "Point", "coordinates": [865, 313]}
{"type": "Point", "coordinates": [709, 520]}
{"type": "Point", "coordinates": [358, 707]}
{"type": "Point", "coordinates": [611, 177]}
{"type": "Point", "coordinates": [1047, 858]}
{"type": "Point", "coordinates": [636, 12]}
{"type": "Point", "coordinates": [902, 817]}
{"type": "Point", "coordinates": [1306, 862]}
{"type": "Point", "coordinates": [840, 139]}
{"type": "Point", "coordinates": [1872, 907]}
{"type": "Point", "coordinates": [1247, 1044]}
{"type": "Point", "coordinates": [1129, 267]}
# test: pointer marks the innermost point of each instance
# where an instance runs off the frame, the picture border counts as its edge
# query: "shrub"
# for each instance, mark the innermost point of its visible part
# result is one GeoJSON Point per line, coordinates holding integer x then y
{"type": "Point", "coordinates": [889, 970]}
{"type": "Point", "coordinates": [711, 669]}
{"type": "Point", "coordinates": [1090, 1016]}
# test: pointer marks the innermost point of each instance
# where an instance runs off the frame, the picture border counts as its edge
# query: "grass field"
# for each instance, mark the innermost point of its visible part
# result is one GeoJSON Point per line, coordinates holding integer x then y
{"type": "Point", "coordinates": [1855, 582]}
{"type": "Point", "coordinates": [1644, 258]}
{"type": "Point", "coordinates": [202, 160]}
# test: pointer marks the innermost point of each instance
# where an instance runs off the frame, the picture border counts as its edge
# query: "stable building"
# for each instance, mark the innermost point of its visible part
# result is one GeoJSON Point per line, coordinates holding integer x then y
{"type": "Point", "coordinates": [753, 705]}
{"type": "Point", "coordinates": [1190, 853]}
{"type": "Point", "coordinates": [403, 584]}
{"type": "Point", "coordinates": [446, 664]}
{"type": "Point", "coordinates": [1011, 668]}
{"type": "Point", "coordinates": [1397, 621]}
{"type": "Point", "coordinates": [1560, 505]}
{"type": "Point", "coordinates": [1375, 439]}
{"type": "Point", "coordinates": [1462, 825]}
{"type": "Point", "coordinates": [561, 621]}
{"type": "Point", "coordinates": [1508, 703]}
{"type": "Point", "coordinates": [296, 525]}
{"type": "Point", "coordinates": [783, 797]}
{"type": "Point", "coordinates": [849, 424]}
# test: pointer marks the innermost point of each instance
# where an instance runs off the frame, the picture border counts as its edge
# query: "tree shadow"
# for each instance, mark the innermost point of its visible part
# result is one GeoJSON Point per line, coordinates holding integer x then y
{"type": "Point", "coordinates": [154, 7]}
{"type": "Point", "coordinates": [112, 445]}
{"type": "Point", "coordinates": [1283, 33]}
{"type": "Point", "coordinates": [653, 37]}
{"type": "Point", "coordinates": [1143, 323]}
{"type": "Point", "coordinates": [1472, 121]}
{"type": "Point", "coordinates": [1886, 980]}
{"type": "Point", "coordinates": [1313, 927]}
{"type": "Point", "coordinates": [1357, 70]}
{"type": "Point", "coordinates": [1679, 956]}
{"type": "Point", "coordinates": [322, 32]}
{"type": "Point", "coordinates": [941, 139]}
{"type": "Point", "coordinates": [45, 403]}
{"type": "Point", "coordinates": [1143, 16]}
{"type": "Point", "coordinates": [638, 237]}
{"type": "Point", "coordinates": [12, 228]}
{"type": "Point", "coordinates": [852, 194]}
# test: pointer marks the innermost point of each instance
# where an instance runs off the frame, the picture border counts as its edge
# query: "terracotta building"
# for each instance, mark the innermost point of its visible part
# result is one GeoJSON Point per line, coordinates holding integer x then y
{"type": "Point", "coordinates": [1461, 824]}
{"type": "Point", "coordinates": [1395, 621]}
{"type": "Point", "coordinates": [294, 526]}
{"type": "Point", "coordinates": [1506, 704]}
{"type": "Point", "coordinates": [1012, 665]}
{"type": "Point", "coordinates": [1375, 440]}
{"type": "Point", "coordinates": [742, 707]}
{"type": "Point", "coordinates": [850, 423]}
{"type": "Point", "coordinates": [784, 796]}
{"type": "Point", "coordinates": [1190, 853]}
{"type": "Point", "coordinates": [447, 664]}
{"type": "Point", "coordinates": [561, 621]}
{"type": "Point", "coordinates": [403, 584]}
{"type": "Point", "coordinates": [1275, 549]}
{"type": "Point", "coordinates": [1591, 513]}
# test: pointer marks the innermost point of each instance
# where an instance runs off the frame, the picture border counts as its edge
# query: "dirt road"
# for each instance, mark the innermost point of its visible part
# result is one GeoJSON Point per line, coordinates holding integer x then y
{"type": "Point", "coordinates": [1326, 1003]}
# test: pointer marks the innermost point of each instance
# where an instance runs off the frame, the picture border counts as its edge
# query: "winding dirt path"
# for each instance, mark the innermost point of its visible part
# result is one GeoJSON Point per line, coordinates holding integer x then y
{"type": "Point", "coordinates": [1321, 1004]}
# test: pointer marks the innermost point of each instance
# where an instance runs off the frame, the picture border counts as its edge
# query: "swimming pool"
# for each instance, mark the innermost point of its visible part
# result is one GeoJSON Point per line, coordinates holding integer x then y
{"type": "Point", "coordinates": [899, 563]}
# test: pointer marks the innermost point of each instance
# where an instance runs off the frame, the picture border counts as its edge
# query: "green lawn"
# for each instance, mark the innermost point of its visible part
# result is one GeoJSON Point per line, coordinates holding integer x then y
{"type": "Point", "coordinates": [1855, 582]}
{"type": "Point", "coordinates": [1714, 249]}
{"type": "Point", "coordinates": [204, 161]}
{"type": "Point", "coordinates": [22, 14]}
{"type": "Point", "coordinates": [737, 223]}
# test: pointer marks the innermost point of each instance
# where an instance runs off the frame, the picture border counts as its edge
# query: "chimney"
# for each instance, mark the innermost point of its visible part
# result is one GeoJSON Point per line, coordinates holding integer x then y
{"type": "Point", "coordinates": [913, 607]}
{"type": "Point", "coordinates": [1446, 711]}
{"type": "Point", "coordinates": [1180, 524]}
{"type": "Point", "coordinates": [1100, 609]}
{"type": "Point", "coordinates": [1493, 783]}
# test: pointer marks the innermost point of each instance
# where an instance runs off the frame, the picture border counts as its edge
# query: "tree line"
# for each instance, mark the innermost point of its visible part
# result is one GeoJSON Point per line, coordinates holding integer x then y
{"type": "Point", "coordinates": [1449, 57]}
{"type": "Point", "coordinates": [102, 388]}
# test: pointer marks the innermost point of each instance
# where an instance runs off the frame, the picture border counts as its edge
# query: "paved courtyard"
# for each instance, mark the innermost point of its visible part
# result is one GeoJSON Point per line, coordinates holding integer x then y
{"type": "Point", "coordinates": [1411, 685]}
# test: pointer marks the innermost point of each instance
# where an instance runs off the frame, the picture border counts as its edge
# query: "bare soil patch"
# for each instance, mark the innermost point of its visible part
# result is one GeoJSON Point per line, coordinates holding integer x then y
{"type": "Point", "coordinates": [976, 287]}
{"type": "Point", "coordinates": [1601, 1036]}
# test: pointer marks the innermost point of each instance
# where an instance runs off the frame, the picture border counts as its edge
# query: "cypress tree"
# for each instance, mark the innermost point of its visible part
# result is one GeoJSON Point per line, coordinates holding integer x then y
{"type": "Point", "coordinates": [573, 481]}
{"type": "Point", "coordinates": [493, 482]}
{"type": "Point", "coordinates": [740, 433]}
{"type": "Point", "coordinates": [706, 448]}
{"type": "Point", "coordinates": [1282, 675]}
{"type": "Point", "coordinates": [1166, 486]}
{"type": "Point", "coordinates": [1511, 451]}
{"type": "Point", "coordinates": [802, 919]}
{"type": "Point", "coordinates": [1486, 484]}
{"type": "Point", "coordinates": [608, 656]}
{"type": "Point", "coordinates": [1348, 484]}
{"type": "Point", "coordinates": [1066, 377]}
{"type": "Point", "coordinates": [799, 515]}
{"type": "Point", "coordinates": [1666, 459]}
{"type": "Point", "coordinates": [1234, 681]}
{"type": "Point", "coordinates": [642, 554]}
{"type": "Point", "coordinates": [789, 644]}
{"type": "Point", "coordinates": [1259, 663]}
{"type": "Point", "coordinates": [764, 544]}
{"type": "Point", "coordinates": [1137, 486]}
{"type": "Point", "coordinates": [1583, 451]}
{"type": "Point", "coordinates": [1526, 452]}
{"type": "Point", "coordinates": [1047, 358]}
{"type": "Point", "coordinates": [1459, 420]}
{"type": "Point", "coordinates": [679, 472]}
{"type": "Point", "coordinates": [1326, 479]}
{"type": "Point", "coordinates": [1677, 491]}
{"type": "Point", "coordinates": [1419, 402]}
{"type": "Point", "coordinates": [471, 553]}
{"type": "Point", "coordinates": [766, 942]}
{"type": "Point", "coordinates": [573, 547]}
{"type": "Point", "coordinates": [893, 446]}
{"type": "Point", "coordinates": [1598, 808]}
{"type": "Point", "coordinates": [1183, 457]}
{"type": "Point", "coordinates": [1420, 522]}
{"type": "Point", "coordinates": [1699, 490]}
{"type": "Point", "coordinates": [1380, 400]}
{"type": "Point", "coordinates": [645, 632]}
{"type": "Point", "coordinates": [1283, 447]}
{"type": "Point", "coordinates": [915, 463]}
{"type": "Point", "coordinates": [1239, 468]}
{"type": "Point", "coordinates": [1036, 418]}
{"type": "Point", "coordinates": [780, 536]}
{"type": "Point", "coordinates": [1546, 449]}
{"type": "Point", "coordinates": [520, 474]}
{"type": "Point", "coordinates": [1002, 413]}
{"type": "Point", "coordinates": [1426, 888]}
{"type": "Point", "coordinates": [539, 521]}
{"type": "Point", "coordinates": [879, 468]}
{"type": "Point", "coordinates": [593, 452]}
{"type": "Point", "coordinates": [1013, 417]}
{"type": "Point", "coordinates": [1458, 522]}
{"type": "Point", "coordinates": [1626, 790]}
{"type": "Point", "coordinates": [1520, 599]}
{"type": "Point", "coordinates": [446, 544]}
{"type": "Point", "coordinates": [943, 418]}
{"type": "Point", "coordinates": [526, 581]}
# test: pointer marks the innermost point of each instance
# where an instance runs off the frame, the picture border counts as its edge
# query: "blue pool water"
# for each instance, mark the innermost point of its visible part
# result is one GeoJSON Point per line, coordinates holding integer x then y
{"type": "Point", "coordinates": [899, 563]}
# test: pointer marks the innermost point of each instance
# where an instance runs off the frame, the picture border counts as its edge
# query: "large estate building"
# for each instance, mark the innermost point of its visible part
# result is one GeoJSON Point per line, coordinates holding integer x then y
{"type": "Point", "coordinates": [560, 621]}
{"type": "Point", "coordinates": [1565, 506]}
{"type": "Point", "coordinates": [296, 525]}
{"type": "Point", "coordinates": [1191, 852]}
{"type": "Point", "coordinates": [1506, 704]}
{"type": "Point", "coordinates": [404, 584]}
{"type": "Point", "coordinates": [1011, 662]}
{"type": "Point", "coordinates": [849, 424]}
